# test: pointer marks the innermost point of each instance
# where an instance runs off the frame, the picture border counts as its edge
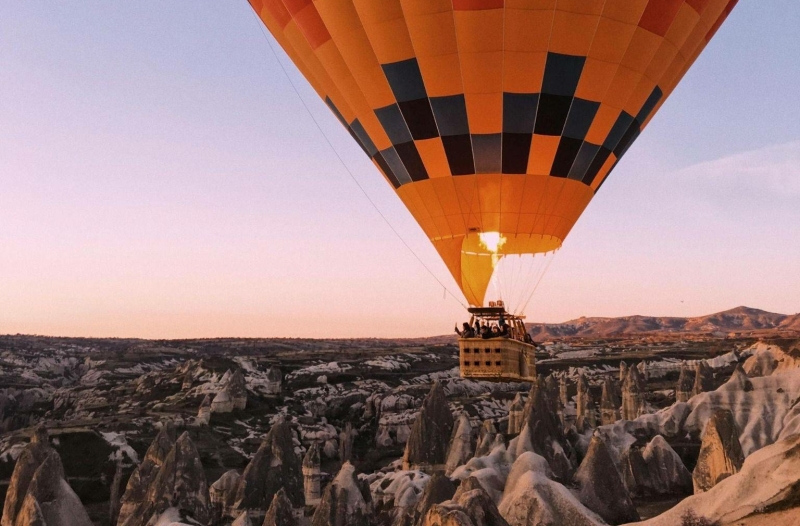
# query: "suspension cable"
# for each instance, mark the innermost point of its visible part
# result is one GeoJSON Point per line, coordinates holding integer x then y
{"type": "Point", "coordinates": [341, 161]}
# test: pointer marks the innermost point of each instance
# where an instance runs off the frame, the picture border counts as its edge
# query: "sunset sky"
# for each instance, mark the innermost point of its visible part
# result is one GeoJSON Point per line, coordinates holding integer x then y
{"type": "Point", "coordinates": [160, 178]}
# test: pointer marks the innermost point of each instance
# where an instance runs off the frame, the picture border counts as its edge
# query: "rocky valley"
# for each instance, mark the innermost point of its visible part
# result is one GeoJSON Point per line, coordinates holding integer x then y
{"type": "Point", "coordinates": [670, 427]}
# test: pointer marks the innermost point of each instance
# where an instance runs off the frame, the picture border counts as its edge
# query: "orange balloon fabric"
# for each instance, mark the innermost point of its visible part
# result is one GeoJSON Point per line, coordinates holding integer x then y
{"type": "Point", "coordinates": [493, 116]}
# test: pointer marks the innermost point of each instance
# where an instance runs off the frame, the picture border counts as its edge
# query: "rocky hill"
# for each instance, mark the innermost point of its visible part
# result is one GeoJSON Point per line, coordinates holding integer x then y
{"type": "Point", "coordinates": [741, 320]}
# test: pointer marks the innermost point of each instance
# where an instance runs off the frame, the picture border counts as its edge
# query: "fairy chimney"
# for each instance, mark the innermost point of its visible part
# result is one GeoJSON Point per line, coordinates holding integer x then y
{"type": "Point", "coordinates": [683, 391]}
{"type": "Point", "coordinates": [581, 400]}
{"type": "Point", "coordinates": [426, 448]}
{"type": "Point", "coordinates": [515, 413]}
{"type": "Point", "coordinates": [609, 404]}
{"type": "Point", "coordinates": [632, 395]}
{"type": "Point", "coordinates": [312, 475]}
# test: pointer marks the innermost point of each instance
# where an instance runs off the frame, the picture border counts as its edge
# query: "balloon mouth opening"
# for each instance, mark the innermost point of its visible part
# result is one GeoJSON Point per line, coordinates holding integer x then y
{"type": "Point", "coordinates": [492, 241]}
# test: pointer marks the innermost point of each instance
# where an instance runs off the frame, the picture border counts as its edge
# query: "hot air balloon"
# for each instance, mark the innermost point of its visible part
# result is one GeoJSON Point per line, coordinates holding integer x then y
{"type": "Point", "coordinates": [496, 121]}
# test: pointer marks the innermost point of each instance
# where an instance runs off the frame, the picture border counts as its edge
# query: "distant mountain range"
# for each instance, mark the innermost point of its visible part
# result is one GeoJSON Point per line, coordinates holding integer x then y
{"type": "Point", "coordinates": [738, 320]}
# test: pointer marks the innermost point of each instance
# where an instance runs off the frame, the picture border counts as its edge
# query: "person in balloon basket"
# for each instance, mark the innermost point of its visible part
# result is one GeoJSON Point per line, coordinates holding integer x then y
{"type": "Point", "coordinates": [466, 331]}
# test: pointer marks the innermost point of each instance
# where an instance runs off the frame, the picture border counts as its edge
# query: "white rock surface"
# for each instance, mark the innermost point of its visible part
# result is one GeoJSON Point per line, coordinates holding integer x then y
{"type": "Point", "coordinates": [769, 477]}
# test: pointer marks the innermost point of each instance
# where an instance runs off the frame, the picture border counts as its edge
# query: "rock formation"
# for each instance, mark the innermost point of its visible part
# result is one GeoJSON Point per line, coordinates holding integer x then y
{"type": "Point", "coordinates": [146, 472]}
{"type": "Point", "coordinates": [551, 389]}
{"type": "Point", "coordinates": [590, 416]}
{"type": "Point", "coordinates": [486, 435]}
{"type": "Point", "coordinates": [28, 462]}
{"type": "Point", "coordinates": [769, 359]}
{"type": "Point", "coordinates": [601, 487]}
{"type": "Point", "coordinates": [222, 402]}
{"type": "Point", "coordinates": [222, 494]}
{"type": "Point", "coordinates": [683, 390]}
{"type": "Point", "coordinates": [346, 443]}
{"type": "Point", "coordinates": [470, 506]}
{"type": "Point", "coordinates": [632, 395]}
{"type": "Point", "coordinates": [657, 470]}
{"type": "Point", "coordinates": [740, 380]}
{"type": "Point", "coordinates": [233, 395]}
{"type": "Point", "coordinates": [115, 494]}
{"type": "Point", "coordinates": [439, 489]}
{"type": "Point", "coordinates": [343, 503]}
{"type": "Point", "coordinates": [204, 413]}
{"type": "Point", "coordinates": [280, 512]}
{"type": "Point", "coordinates": [563, 391]}
{"type": "Point", "coordinates": [426, 448]}
{"type": "Point", "coordinates": [312, 476]}
{"type": "Point", "coordinates": [274, 381]}
{"type": "Point", "coordinates": [49, 500]}
{"type": "Point", "coordinates": [703, 378]}
{"type": "Point", "coordinates": [623, 372]}
{"type": "Point", "coordinates": [242, 520]}
{"type": "Point", "coordinates": [642, 366]}
{"type": "Point", "coordinates": [274, 466]}
{"type": "Point", "coordinates": [38, 494]}
{"type": "Point", "coordinates": [720, 453]}
{"type": "Point", "coordinates": [543, 434]}
{"type": "Point", "coordinates": [531, 498]}
{"type": "Point", "coordinates": [581, 404]}
{"type": "Point", "coordinates": [763, 493]}
{"type": "Point", "coordinates": [515, 415]}
{"type": "Point", "coordinates": [460, 449]}
{"type": "Point", "coordinates": [609, 404]}
{"type": "Point", "coordinates": [179, 485]}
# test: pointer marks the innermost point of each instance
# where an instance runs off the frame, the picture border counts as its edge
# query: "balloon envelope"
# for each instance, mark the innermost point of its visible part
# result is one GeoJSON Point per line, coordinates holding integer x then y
{"type": "Point", "coordinates": [496, 121]}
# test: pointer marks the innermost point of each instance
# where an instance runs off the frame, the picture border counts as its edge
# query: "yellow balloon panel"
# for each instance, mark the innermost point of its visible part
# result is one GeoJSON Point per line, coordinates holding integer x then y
{"type": "Point", "coordinates": [494, 117]}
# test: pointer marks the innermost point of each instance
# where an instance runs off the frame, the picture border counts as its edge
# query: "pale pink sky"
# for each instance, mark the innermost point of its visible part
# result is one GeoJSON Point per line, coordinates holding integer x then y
{"type": "Point", "coordinates": [159, 178]}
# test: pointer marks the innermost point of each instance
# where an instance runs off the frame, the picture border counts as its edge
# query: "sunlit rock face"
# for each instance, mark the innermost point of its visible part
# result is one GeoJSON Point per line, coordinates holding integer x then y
{"type": "Point", "coordinates": [764, 409]}
{"type": "Point", "coordinates": [427, 445]}
{"type": "Point", "coordinates": [460, 450]}
{"type": "Point", "coordinates": [720, 454]}
{"type": "Point", "coordinates": [343, 502]}
{"type": "Point", "coordinates": [655, 470]}
{"type": "Point", "coordinates": [49, 500]}
{"type": "Point", "coordinates": [632, 395]}
{"type": "Point", "coordinates": [470, 506]}
{"type": "Point", "coordinates": [37, 493]}
{"type": "Point", "coordinates": [515, 415]}
{"type": "Point", "coordinates": [28, 462]}
{"type": "Point", "coordinates": [765, 492]}
{"type": "Point", "coordinates": [600, 486]}
{"type": "Point", "coordinates": [609, 403]}
{"type": "Point", "coordinates": [768, 359]}
{"type": "Point", "coordinates": [146, 472]}
{"type": "Point", "coordinates": [274, 466]}
{"type": "Point", "coordinates": [683, 390]}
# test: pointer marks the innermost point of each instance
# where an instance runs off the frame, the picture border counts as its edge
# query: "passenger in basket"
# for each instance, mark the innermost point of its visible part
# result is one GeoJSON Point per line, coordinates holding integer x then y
{"type": "Point", "coordinates": [466, 331]}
